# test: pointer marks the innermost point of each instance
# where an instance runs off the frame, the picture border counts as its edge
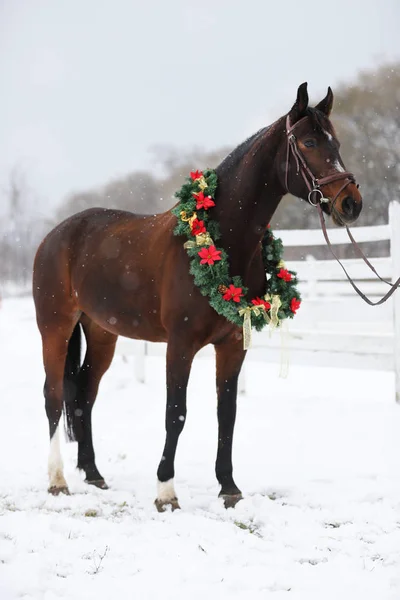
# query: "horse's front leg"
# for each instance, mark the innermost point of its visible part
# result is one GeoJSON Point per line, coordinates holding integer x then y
{"type": "Point", "coordinates": [229, 358]}
{"type": "Point", "coordinates": [179, 362]}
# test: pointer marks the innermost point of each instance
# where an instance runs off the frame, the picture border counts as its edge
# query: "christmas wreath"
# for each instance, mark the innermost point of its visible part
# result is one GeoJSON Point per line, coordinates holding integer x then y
{"type": "Point", "coordinates": [209, 264]}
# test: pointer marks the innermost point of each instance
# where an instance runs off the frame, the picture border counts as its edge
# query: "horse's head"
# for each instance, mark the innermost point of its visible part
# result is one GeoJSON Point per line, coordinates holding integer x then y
{"type": "Point", "coordinates": [313, 169]}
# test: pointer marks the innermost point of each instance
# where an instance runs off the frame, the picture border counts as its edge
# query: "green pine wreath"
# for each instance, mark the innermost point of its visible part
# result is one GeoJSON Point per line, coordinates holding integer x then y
{"type": "Point", "coordinates": [209, 263]}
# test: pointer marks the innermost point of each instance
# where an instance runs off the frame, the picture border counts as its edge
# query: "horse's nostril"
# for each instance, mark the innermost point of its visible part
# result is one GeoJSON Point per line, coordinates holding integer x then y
{"type": "Point", "coordinates": [348, 206]}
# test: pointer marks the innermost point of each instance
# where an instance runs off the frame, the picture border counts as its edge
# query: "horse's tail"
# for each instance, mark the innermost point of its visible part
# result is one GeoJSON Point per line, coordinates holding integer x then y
{"type": "Point", "coordinates": [71, 392]}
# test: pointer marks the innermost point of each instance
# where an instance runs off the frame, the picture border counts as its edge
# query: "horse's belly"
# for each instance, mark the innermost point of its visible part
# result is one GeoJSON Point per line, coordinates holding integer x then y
{"type": "Point", "coordinates": [129, 307]}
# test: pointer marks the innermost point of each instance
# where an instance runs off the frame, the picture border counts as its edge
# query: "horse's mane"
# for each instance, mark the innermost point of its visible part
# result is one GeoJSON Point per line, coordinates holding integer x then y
{"type": "Point", "coordinates": [240, 151]}
{"type": "Point", "coordinates": [319, 122]}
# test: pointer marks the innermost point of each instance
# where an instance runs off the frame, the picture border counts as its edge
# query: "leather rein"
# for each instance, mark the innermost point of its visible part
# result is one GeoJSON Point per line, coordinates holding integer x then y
{"type": "Point", "coordinates": [316, 198]}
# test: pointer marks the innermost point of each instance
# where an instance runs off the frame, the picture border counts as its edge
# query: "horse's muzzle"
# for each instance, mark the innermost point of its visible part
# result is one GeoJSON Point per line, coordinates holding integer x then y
{"type": "Point", "coordinates": [351, 208]}
{"type": "Point", "coordinates": [347, 207]}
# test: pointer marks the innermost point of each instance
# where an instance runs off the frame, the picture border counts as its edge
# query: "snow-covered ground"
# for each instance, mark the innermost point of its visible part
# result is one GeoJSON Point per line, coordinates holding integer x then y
{"type": "Point", "coordinates": [317, 456]}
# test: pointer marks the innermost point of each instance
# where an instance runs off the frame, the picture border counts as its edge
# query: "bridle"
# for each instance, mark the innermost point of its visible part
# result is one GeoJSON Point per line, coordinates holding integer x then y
{"type": "Point", "coordinates": [316, 198]}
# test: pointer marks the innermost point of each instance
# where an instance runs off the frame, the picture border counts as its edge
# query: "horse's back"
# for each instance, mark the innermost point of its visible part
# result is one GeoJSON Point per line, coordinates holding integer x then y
{"type": "Point", "coordinates": [92, 219]}
{"type": "Point", "coordinates": [93, 222]}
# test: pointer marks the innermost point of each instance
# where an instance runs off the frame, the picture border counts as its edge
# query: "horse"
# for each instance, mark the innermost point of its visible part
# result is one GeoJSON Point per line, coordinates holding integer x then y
{"type": "Point", "coordinates": [111, 272]}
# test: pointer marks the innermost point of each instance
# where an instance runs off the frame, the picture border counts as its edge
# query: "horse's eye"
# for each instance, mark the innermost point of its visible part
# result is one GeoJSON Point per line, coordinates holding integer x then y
{"type": "Point", "coordinates": [310, 143]}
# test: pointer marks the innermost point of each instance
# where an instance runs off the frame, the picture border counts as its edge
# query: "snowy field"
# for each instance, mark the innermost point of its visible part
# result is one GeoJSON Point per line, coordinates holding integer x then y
{"type": "Point", "coordinates": [317, 456]}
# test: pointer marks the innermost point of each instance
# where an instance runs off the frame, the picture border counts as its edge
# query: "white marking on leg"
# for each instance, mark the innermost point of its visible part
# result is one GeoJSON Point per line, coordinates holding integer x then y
{"type": "Point", "coordinates": [55, 464]}
{"type": "Point", "coordinates": [166, 490]}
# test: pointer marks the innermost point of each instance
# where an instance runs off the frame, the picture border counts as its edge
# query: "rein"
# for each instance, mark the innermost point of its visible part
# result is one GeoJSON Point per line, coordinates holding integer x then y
{"type": "Point", "coordinates": [316, 198]}
{"type": "Point", "coordinates": [394, 285]}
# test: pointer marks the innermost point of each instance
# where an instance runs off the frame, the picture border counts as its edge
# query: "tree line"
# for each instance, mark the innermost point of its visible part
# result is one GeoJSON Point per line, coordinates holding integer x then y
{"type": "Point", "coordinates": [366, 116]}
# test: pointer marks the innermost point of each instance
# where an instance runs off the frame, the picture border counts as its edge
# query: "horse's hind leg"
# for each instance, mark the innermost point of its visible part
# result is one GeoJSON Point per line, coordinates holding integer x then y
{"type": "Point", "coordinates": [56, 341]}
{"type": "Point", "coordinates": [99, 354]}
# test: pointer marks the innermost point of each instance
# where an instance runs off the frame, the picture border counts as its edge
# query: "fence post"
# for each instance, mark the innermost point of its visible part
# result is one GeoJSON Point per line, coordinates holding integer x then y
{"type": "Point", "coordinates": [242, 380]}
{"type": "Point", "coordinates": [394, 223]}
{"type": "Point", "coordinates": [311, 285]}
{"type": "Point", "coordinates": [140, 365]}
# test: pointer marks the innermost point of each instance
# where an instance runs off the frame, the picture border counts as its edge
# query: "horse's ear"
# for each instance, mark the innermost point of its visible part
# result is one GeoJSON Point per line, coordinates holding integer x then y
{"type": "Point", "coordinates": [300, 106]}
{"type": "Point", "coordinates": [326, 104]}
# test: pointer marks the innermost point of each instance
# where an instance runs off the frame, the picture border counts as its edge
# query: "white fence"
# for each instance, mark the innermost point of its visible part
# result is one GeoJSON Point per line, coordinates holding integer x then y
{"type": "Point", "coordinates": [334, 327]}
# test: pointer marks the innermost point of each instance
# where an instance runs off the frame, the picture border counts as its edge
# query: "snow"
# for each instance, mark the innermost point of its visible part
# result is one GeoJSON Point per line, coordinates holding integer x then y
{"type": "Point", "coordinates": [317, 456]}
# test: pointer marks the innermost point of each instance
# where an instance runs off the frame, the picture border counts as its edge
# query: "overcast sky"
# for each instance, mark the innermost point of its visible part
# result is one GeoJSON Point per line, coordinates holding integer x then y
{"type": "Point", "coordinates": [88, 86]}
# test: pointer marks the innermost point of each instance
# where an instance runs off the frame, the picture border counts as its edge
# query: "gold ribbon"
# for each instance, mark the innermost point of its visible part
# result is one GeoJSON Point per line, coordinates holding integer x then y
{"type": "Point", "coordinates": [202, 183]}
{"type": "Point", "coordinates": [187, 219]}
{"type": "Point", "coordinates": [284, 368]}
{"type": "Point", "coordinates": [203, 239]}
{"type": "Point", "coordinates": [258, 309]}
{"type": "Point", "coordinates": [246, 314]}
{"type": "Point", "coordinates": [276, 303]}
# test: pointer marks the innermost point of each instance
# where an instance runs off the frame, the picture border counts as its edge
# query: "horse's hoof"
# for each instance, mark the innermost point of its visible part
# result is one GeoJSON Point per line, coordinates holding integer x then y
{"type": "Point", "coordinates": [99, 483]}
{"type": "Point", "coordinates": [230, 500]}
{"type": "Point", "coordinates": [56, 491]}
{"type": "Point", "coordinates": [162, 505]}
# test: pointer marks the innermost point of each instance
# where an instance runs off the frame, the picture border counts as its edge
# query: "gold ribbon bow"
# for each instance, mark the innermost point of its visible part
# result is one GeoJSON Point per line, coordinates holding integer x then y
{"type": "Point", "coordinates": [187, 219]}
{"type": "Point", "coordinates": [203, 239]}
{"type": "Point", "coordinates": [202, 183]}
{"type": "Point", "coordinates": [258, 309]}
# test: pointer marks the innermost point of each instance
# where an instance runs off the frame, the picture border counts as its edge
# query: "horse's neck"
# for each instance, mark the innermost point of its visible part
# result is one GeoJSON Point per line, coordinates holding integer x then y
{"type": "Point", "coordinates": [248, 194]}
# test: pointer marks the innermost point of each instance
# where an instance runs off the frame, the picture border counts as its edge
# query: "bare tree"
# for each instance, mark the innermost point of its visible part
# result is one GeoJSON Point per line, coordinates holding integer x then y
{"type": "Point", "coordinates": [77, 202]}
{"type": "Point", "coordinates": [20, 230]}
{"type": "Point", "coordinates": [138, 192]}
{"type": "Point", "coordinates": [367, 118]}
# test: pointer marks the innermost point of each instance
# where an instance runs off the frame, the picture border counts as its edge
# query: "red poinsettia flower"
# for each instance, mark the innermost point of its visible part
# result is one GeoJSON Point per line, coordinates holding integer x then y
{"type": "Point", "coordinates": [260, 302]}
{"type": "Point", "coordinates": [285, 275]}
{"type": "Point", "coordinates": [209, 255]}
{"type": "Point", "coordinates": [203, 201]}
{"type": "Point", "coordinates": [196, 175]}
{"type": "Point", "coordinates": [198, 227]}
{"type": "Point", "coordinates": [233, 293]}
{"type": "Point", "coordinates": [294, 305]}
{"type": "Point", "coordinates": [268, 226]}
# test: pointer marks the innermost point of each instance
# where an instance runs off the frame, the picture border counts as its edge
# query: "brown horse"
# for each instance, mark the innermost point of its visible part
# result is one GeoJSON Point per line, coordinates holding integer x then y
{"type": "Point", "coordinates": [115, 273]}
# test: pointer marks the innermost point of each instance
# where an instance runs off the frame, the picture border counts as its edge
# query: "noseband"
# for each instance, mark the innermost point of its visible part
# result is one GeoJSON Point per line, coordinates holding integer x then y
{"type": "Point", "coordinates": [315, 195]}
